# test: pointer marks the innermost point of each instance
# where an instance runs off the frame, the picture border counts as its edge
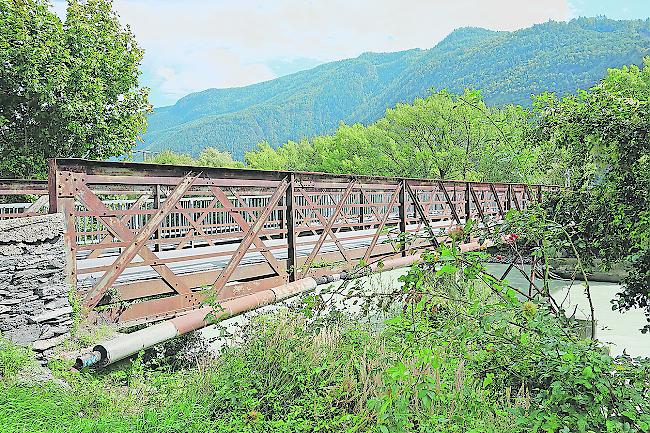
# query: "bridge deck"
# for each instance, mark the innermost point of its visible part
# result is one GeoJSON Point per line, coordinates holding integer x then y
{"type": "Point", "coordinates": [218, 258]}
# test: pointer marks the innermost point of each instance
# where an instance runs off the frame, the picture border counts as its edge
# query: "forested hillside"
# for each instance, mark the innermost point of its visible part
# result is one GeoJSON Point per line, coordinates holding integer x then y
{"type": "Point", "coordinates": [507, 66]}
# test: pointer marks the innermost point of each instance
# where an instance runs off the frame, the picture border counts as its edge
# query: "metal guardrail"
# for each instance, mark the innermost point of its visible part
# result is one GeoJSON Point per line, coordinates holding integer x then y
{"type": "Point", "coordinates": [145, 239]}
{"type": "Point", "coordinates": [21, 197]}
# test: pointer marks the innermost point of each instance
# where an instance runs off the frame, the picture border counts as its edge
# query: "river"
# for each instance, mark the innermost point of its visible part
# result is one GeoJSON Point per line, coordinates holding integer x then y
{"type": "Point", "coordinates": [619, 331]}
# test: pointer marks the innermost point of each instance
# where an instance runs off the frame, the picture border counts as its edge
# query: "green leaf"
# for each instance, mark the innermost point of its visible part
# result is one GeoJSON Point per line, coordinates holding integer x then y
{"type": "Point", "coordinates": [488, 379]}
{"type": "Point", "coordinates": [447, 269]}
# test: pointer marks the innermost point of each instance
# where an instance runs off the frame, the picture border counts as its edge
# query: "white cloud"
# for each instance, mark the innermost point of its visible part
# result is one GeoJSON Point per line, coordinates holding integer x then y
{"type": "Point", "coordinates": [205, 67]}
{"type": "Point", "coordinates": [166, 73]}
{"type": "Point", "coordinates": [195, 44]}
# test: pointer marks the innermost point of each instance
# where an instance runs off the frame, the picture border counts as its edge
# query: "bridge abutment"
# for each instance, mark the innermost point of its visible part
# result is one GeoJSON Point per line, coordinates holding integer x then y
{"type": "Point", "coordinates": [34, 296]}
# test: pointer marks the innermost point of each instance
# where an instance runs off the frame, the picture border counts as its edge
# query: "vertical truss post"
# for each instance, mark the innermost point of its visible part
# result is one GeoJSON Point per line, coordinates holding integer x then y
{"type": "Point", "coordinates": [539, 193]}
{"type": "Point", "coordinates": [509, 197]}
{"type": "Point", "coordinates": [402, 214]}
{"type": "Point", "coordinates": [63, 203]}
{"type": "Point", "coordinates": [361, 211]}
{"type": "Point", "coordinates": [66, 207]}
{"type": "Point", "coordinates": [292, 263]}
{"type": "Point", "coordinates": [156, 205]}
{"type": "Point", "coordinates": [282, 217]}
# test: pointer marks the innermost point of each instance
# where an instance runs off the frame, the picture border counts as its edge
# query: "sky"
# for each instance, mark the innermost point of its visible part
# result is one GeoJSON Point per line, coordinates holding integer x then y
{"type": "Point", "coordinates": [193, 45]}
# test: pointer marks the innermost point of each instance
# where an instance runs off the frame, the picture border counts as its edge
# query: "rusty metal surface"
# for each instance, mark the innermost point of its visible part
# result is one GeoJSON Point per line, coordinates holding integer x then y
{"type": "Point", "coordinates": [137, 244]}
{"type": "Point", "coordinates": [23, 198]}
{"type": "Point", "coordinates": [148, 244]}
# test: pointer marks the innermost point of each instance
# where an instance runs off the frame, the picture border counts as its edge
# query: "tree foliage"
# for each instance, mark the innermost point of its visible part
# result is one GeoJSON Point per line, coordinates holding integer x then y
{"type": "Point", "coordinates": [443, 136]}
{"type": "Point", "coordinates": [210, 157]}
{"type": "Point", "coordinates": [606, 131]}
{"type": "Point", "coordinates": [68, 89]}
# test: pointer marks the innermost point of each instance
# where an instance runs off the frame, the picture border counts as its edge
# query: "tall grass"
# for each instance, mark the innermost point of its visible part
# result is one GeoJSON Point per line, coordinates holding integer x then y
{"type": "Point", "coordinates": [286, 377]}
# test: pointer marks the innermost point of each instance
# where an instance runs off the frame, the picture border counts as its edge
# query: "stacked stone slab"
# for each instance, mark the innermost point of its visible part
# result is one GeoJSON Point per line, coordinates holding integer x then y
{"type": "Point", "coordinates": [34, 302]}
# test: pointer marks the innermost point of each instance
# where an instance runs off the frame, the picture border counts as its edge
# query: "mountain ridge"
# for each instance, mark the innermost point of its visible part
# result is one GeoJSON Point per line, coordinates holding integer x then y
{"type": "Point", "coordinates": [507, 66]}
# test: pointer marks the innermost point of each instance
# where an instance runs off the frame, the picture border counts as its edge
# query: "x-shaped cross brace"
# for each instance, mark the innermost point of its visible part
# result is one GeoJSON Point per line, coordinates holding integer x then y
{"type": "Point", "coordinates": [328, 227]}
{"type": "Point", "coordinates": [107, 240]}
{"type": "Point", "coordinates": [251, 235]}
{"type": "Point", "coordinates": [323, 221]}
{"type": "Point", "coordinates": [375, 238]}
{"type": "Point", "coordinates": [245, 226]}
{"type": "Point", "coordinates": [138, 242]}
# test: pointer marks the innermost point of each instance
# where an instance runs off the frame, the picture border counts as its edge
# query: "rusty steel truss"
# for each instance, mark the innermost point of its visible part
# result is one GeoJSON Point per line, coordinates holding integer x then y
{"type": "Point", "coordinates": [147, 242]}
{"type": "Point", "coordinates": [23, 198]}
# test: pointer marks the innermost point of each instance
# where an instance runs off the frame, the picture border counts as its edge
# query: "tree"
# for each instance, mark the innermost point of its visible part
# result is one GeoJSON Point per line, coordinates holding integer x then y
{"type": "Point", "coordinates": [210, 157]}
{"type": "Point", "coordinates": [606, 131]}
{"type": "Point", "coordinates": [444, 136]}
{"type": "Point", "coordinates": [172, 158]}
{"type": "Point", "coordinates": [68, 89]}
{"type": "Point", "coordinates": [267, 158]}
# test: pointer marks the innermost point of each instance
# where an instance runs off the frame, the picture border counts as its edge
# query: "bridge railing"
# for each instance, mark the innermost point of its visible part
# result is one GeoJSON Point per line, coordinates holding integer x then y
{"type": "Point", "coordinates": [21, 198]}
{"type": "Point", "coordinates": [145, 241]}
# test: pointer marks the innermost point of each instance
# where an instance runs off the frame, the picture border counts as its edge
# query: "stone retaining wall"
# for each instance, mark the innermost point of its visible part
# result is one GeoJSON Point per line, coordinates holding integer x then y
{"type": "Point", "coordinates": [34, 303]}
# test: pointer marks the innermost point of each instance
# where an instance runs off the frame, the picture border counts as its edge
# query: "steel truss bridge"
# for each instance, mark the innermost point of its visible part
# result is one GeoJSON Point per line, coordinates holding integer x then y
{"type": "Point", "coordinates": [145, 241]}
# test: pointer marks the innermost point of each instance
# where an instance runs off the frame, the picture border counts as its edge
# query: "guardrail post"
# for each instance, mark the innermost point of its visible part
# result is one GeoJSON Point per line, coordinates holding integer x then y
{"type": "Point", "coordinates": [51, 185]}
{"type": "Point", "coordinates": [156, 205]}
{"type": "Point", "coordinates": [402, 214]}
{"type": "Point", "coordinates": [361, 209]}
{"type": "Point", "coordinates": [282, 221]}
{"type": "Point", "coordinates": [292, 263]}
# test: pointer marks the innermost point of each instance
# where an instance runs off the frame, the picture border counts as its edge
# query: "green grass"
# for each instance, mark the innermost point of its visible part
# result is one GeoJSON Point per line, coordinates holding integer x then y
{"type": "Point", "coordinates": [284, 379]}
{"type": "Point", "coordinates": [12, 358]}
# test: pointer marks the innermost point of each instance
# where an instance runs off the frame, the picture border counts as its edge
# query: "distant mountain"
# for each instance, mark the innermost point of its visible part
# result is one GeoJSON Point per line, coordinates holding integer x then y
{"type": "Point", "coordinates": [507, 66]}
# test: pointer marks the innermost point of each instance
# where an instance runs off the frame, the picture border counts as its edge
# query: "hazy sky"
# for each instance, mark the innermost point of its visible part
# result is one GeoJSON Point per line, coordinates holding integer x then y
{"type": "Point", "coordinates": [198, 44]}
